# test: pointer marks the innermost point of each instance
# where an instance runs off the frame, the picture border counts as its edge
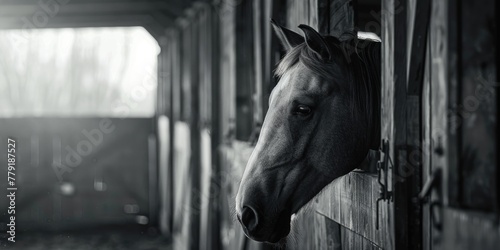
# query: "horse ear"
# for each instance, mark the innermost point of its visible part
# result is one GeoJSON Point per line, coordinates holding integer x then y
{"type": "Point", "coordinates": [288, 38]}
{"type": "Point", "coordinates": [316, 42]}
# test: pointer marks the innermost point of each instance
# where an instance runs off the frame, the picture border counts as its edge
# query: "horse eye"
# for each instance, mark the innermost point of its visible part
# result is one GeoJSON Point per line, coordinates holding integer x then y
{"type": "Point", "coordinates": [302, 110]}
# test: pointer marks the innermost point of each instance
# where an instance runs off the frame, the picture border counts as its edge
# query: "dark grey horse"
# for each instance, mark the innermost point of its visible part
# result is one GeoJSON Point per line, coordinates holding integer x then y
{"type": "Point", "coordinates": [323, 118]}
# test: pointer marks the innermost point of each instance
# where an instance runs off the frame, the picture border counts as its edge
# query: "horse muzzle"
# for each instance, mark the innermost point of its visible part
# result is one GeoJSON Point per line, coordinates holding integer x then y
{"type": "Point", "coordinates": [257, 228]}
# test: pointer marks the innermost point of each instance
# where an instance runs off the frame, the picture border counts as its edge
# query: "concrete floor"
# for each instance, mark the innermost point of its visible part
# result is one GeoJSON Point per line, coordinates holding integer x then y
{"type": "Point", "coordinates": [91, 239]}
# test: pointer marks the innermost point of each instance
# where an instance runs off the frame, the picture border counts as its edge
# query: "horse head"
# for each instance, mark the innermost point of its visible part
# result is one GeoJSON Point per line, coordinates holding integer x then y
{"type": "Point", "coordinates": [321, 122]}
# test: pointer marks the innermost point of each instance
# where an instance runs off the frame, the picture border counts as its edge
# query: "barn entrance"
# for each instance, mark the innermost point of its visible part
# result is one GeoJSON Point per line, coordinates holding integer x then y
{"type": "Point", "coordinates": [78, 104]}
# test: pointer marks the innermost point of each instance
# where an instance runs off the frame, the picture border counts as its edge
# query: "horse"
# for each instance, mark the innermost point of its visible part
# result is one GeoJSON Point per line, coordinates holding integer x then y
{"type": "Point", "coordinates": [323, 118]}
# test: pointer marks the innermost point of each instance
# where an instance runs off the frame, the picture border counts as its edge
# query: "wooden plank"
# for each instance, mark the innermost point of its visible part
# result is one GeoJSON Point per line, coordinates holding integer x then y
{"type": "Point", "coordinates": [426, 149]}
{"type": "Point", "coordinates": [227, 71]}
{"type": "Point", "coordinates": [245, 74]}
{"type": "Point", "coordinates": [333, 234]}
{"type": "Point", "coordinates": [402, 184]}
{"type": "Point", "coordinates": [351, 202]}
{"type": "Point", "coordinates": [438, 50]}
{"type": "Point", "coordinates": [307, 231]}
{"type": "Point", "coordinates": [174, 114]}
{"type": "Point", "coordinates": [498, 109]}
{"type": "Point", "coordinates": [312, 230]}
{"type": "Point", "coordinates": [341, 17]}
{"type": "Point", "coordinates": [352, 240]}
{"type": "Point", "coordinates": [324, 17]}
{"type": "Point", "coordinates": [419, 41]}
{"type": "Point", "coordinates": [215, 131]}
{"type": "Point", "coordinates": [259, 49]}
{"type": "Point", "coordinates": [164, 139]}
{"type": "Point", "coordinates": [302, 12]}
{"type": "Point", "coordinates": [274, 50]}
{"type": "Point", "coordinates": [413, 172]}
{"type": "Point", "coordinates": [192, 33]}
{"type": "Point", "coordinates": [181, 186]}
{"type": "Point", "coordinates": [205, 194]}
{"type": "Point", "coordinates": [416, 51]}
{"type": "Point", "coordinates": [75, 7]}
{"type": "Point", "coordinates": [180, 143]}
{"type": "Point", "coordinates": [176, 98]}
{"type": "Point", "coordinates": [186, 55]}
{"type": "Point", "coordinates": [387, 106]}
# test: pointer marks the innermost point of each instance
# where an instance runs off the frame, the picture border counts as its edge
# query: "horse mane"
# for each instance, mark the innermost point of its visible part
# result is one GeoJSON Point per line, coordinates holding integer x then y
{"type": "Point", "coordinates": [361, 59]}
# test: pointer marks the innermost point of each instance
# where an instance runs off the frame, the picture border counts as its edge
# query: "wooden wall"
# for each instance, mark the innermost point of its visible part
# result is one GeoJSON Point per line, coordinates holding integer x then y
{"type": "Point", "coordinates": [462, 110]}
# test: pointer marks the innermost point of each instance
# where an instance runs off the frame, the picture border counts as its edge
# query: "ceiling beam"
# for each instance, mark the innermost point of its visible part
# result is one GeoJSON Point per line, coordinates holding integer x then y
{"type": "Point", "coordinates": [81, 21]}
{"type": "Point", "coordinates": [84, 8]}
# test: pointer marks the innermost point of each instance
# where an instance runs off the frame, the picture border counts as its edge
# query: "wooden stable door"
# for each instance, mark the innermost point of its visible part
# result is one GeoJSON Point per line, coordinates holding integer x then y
{"type": "Point", "coordinates": [460, 130]}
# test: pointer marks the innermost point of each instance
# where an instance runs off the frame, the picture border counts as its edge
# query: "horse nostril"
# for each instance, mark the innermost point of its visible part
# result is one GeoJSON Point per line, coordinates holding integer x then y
{"type": "Point", "coordinates": [249, 218]}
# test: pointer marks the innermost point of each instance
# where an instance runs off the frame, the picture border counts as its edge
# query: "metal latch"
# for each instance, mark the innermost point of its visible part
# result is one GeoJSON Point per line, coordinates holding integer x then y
{"type": "Point", "coordinates": [433, 182]}
{"type": "Point", "coordinates": [384, 194]}
{"type": "Point", "coordinates": [429, 184]}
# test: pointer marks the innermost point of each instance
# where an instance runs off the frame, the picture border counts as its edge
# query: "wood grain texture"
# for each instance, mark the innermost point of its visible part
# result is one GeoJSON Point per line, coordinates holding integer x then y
{"type": "Point", "coordinates": [302, 12]}
{"type": "Point", "coordinates": [388, 103]}
{"type": "Point", "coordinates": [352, 240]}
{"type": "Point", "coordinates": [351, 202]}
{"type": "Point", "coordinates": [312, 230]}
